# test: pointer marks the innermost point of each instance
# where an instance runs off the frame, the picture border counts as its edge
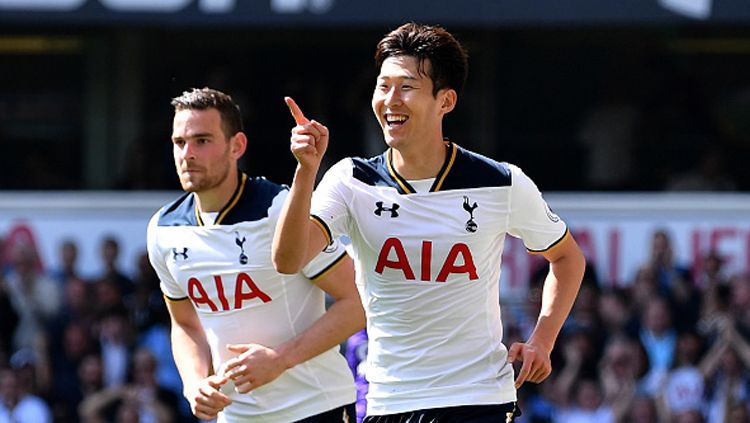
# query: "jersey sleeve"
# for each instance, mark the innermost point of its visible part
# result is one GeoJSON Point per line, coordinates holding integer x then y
{"type": "Point", "coordinates": [329, 208]}
{"type": "Point", "coordinates": [531, 219]}
{"type": "Point", "coordinates": [169, 287]}
{"type": "Point", "coordinates": [325, 261]}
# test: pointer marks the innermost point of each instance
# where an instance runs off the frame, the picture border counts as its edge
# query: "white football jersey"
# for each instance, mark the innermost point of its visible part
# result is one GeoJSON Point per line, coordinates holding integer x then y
{"type": "Point", "coordinates": [428, 271]}
{"type": "Point", "coordinates": [225, 270]}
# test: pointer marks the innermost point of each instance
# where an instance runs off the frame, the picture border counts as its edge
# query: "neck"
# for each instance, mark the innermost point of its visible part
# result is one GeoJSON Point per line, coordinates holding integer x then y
{"type": "Point", "coordinates": [422, 164]}
{"type": "Point", "coordinates": [216, 198]}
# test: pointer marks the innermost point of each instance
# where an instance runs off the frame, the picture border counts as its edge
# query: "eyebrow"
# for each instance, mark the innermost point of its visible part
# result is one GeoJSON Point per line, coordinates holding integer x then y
{"type": "Point", "coordinates": [411, 78]}
{"type": "Point", "coordinates": [198, 135]}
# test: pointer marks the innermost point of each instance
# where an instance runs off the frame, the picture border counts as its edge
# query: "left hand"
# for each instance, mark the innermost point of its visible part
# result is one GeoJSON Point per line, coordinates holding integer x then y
{"type": "Point", "coordinates": [255, 366]}
{"type": "Point", "coordinates": [536, 362]}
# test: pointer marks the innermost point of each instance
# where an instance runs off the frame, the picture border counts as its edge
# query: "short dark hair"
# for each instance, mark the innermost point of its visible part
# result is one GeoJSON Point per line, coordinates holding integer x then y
{"type": "Point", "coordinates": [448, 59]}
{"type": "Point", "coordinates": [208, 98]}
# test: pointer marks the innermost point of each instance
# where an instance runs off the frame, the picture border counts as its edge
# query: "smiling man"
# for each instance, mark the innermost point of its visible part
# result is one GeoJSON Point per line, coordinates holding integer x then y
{"type": "Point", "coordinates": [427, 220]}
{"type": "Point", "coordinates": [250, 344]}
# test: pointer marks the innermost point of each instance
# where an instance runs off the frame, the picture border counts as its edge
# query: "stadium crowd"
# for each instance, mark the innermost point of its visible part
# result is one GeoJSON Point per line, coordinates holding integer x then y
{"type": "Point", "coordinates": [671, 345]}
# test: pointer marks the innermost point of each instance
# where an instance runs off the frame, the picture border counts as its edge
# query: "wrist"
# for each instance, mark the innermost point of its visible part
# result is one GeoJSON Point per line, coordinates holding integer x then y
{"type": "Point", "coordinates": [541, 345]}
{"type": "Point", "coordinates": [285, 353]}
{"type": "Point", "coordinates": [307, 169]}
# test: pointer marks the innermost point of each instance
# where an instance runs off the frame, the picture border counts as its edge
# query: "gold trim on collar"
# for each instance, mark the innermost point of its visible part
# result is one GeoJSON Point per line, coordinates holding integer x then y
{"type": "Point", "coordinates": [235, 199]}
{"type": "Point", "coordinates": [226, 209]}
{"type": "Point", "coordinates": [442, 174]}
{"type": "Point", "coordinates": [447, 166]}
{"type": "Point", "coordinates": [405, 187]}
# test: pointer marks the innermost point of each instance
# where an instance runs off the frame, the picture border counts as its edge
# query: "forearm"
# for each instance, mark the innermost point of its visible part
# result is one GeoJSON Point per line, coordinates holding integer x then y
{"type": "Point", "coordinates": [292, 236]}
{"type": "Point", "coordinates": [343, 318]}
{"type": "Point", "coordinates": [191, 354]}
{"type": "Point", "coordinates": [560, 291]}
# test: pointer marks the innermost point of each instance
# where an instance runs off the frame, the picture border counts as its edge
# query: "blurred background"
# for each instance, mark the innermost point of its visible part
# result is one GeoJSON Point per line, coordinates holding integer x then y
{"type": "Point", "coordinates": [632, 117]}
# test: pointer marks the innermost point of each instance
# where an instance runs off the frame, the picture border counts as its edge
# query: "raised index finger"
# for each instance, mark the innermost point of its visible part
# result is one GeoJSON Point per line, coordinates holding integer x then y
{"type": "Point", "coordinates": [299, 117]}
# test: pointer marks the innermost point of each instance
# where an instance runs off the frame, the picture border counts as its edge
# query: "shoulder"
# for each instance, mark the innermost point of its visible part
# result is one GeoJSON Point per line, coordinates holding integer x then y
{"type": "Point", "coordinates": [257, 197]}
{"type": "Point", "coordinates": [473, 170]}
{"type": "Point", "coordinates": [262, 190]}
{"type": "Point", "coordinates": [180, 212]}
{"type": "Point", "coordinates": [371, 171]}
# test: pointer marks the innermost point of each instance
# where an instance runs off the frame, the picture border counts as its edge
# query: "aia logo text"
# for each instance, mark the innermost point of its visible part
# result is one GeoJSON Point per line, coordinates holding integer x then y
{"type": "Point", "coordinates": [245, 289]}
{"type": "Point", "coordinates": [459, 260]}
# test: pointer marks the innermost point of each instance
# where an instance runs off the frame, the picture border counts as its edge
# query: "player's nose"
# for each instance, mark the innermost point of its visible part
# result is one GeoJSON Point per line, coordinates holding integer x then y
{"type": "Point", "coordinates": [392, 97]}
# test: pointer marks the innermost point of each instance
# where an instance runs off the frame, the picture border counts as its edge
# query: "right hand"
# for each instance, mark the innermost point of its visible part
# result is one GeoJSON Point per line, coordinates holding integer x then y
{"type": "Point", "coordinates": [309, 139]}
{"type": "Point", "coordinates": [205, 399]}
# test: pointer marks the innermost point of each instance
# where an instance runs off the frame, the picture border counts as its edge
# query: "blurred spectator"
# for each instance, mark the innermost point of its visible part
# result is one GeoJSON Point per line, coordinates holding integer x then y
{"type": "Point", "coordinates": [689, 416]}
{"type": "Point", "coordinates": [34, 296]}
{"type": "Point", "coordinates": [142, 400]}
{"type": "Point", "coordinates": [147, 304]}
{"type": "Point", "coordinates": [68, 262]}
{"type": "Point", "coordinates": [739, 413]}
{"type": "Point", "coordinates": [642, 409]}
{"type": "Point", "coordinates": [580, 357]}
{"type": "Point", "coordinates": [616, 315]}
{"type": "Point", "coordinates": [115, 344]}
{"type": "Point", "coordinates": [110, 252]}
{"type": "Point", "coordinates": [17, 406]}
{"type": "Point", "coordinates": [622, 370]}
{"type": "Point", "coordinates": [585, 312]}
{"type": "Point", "coordinates": [668, 272]}
{"type": "Point", "coordinates": [644, 288]}
{"type": "Point", "coordinates": [107, 296]}
{"type": "Point", "coordinates": [683, 388]}
{"type": "Point", "coordinates": [726, 368]}
{"type": "Point", "coordinates": [535, 403]}
{"type": "Point", "coordinates": [587, 405]}
{"type": "Point", "coordinates": [711, 271]}
{"type": "Point", "coordinates": [77, 305]}
{"type": "Point", "coordinates": [90, 376]}
{"type": "Point", "coordinates": [716, 312]}
{"type": "Point", "coordinates": [156, 339]}
{"type": "Point", "coordinates": [739, 305]}
{"type": "Point", "coordinates": [66, 387]}
{"type": "Point", "coordinates": [659, 338]}
{"type": "Point", "coordinates": [32, 370]}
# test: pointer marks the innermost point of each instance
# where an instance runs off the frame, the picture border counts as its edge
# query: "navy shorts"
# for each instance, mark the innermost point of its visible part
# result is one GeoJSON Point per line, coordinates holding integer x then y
{"type": "Point", "coordinates": [494, 413]}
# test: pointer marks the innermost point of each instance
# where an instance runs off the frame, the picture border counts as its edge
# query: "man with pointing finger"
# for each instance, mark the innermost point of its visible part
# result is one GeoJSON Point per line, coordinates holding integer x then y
{"type": "Point", "coordinates": [250, 344]}
{"type": "Point", "coordinates": [427, 220]}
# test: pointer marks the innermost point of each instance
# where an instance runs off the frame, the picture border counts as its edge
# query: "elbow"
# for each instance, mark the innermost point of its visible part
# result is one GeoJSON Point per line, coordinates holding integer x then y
{"type": "Point", "coordinates": [285, 265]}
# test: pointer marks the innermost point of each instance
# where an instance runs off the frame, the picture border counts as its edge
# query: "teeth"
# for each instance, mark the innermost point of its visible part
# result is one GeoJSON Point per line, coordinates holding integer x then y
{"type": "Point", "coordinates": [395, 118]}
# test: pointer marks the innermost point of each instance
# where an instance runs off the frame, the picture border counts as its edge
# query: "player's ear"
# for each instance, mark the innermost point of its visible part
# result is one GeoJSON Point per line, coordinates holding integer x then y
{"type": "Point", "coordinates": [238, 145]}
{"type": "Point", "coordinates": [448, 98]}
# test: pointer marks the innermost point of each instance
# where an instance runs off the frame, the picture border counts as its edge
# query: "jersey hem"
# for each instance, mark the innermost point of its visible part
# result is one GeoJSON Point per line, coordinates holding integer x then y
{"type": "Point", "coordinates": [174, 299]}
{"type": "Point", "coordinates": [328, 268]}
{"type": "Point", "coordinates": [337, 398]}
{"type": "Point", "coordinates": [553, 245]}
{"type": "Point", "coordinates": [427, 402]}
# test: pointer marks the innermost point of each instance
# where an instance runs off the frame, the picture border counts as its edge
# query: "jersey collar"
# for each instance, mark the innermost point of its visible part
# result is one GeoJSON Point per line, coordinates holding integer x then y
{"type": "Point", "coordinates": [230, 204]}
{"type": "Point", "coordinates": [403, 185]}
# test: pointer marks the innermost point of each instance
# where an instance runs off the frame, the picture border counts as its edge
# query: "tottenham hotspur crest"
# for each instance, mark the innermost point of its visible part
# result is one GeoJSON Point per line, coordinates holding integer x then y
{"type": "Point", "coordinates": [471, 225]}
{"type": "Point", "coordinates": [240, 243]}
